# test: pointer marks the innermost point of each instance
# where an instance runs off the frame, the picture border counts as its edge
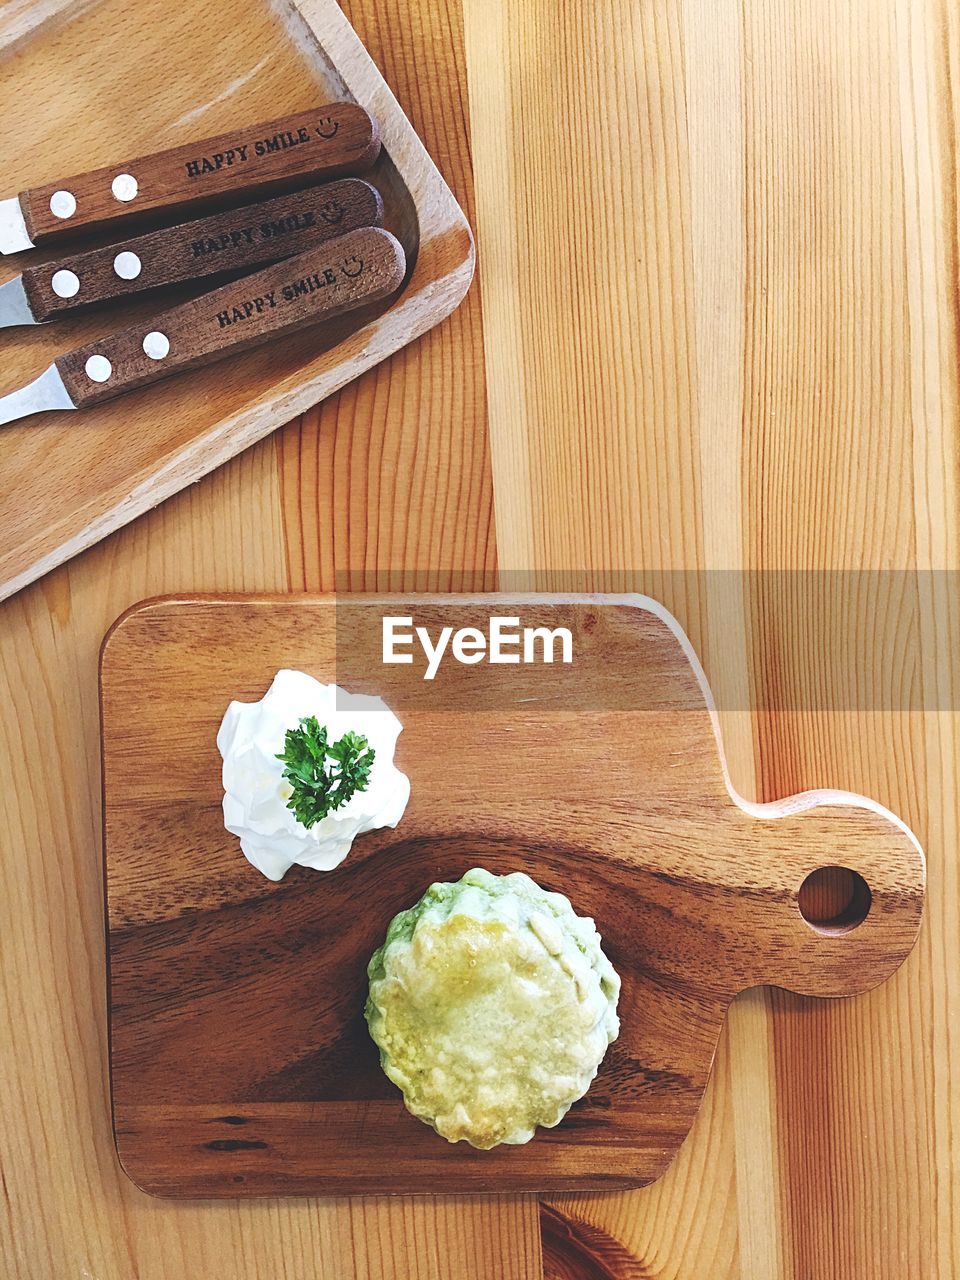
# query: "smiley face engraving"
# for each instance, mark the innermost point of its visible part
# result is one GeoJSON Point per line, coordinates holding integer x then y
{"type": "Point", "coordinates": [328, 128]}
{"type": "Point", "coordinates": [332, 211]}
{"type": "Point", "coordinates": [351, 267]}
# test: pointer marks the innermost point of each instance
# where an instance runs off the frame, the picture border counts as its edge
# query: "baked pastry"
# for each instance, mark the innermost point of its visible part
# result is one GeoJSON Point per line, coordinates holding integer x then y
{"type": "Point", "coordinates": [492, 1005]}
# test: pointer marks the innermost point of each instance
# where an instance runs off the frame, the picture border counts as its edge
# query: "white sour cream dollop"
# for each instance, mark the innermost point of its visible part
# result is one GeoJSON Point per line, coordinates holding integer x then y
{"type": "Point", "coordinates": [256, 793]}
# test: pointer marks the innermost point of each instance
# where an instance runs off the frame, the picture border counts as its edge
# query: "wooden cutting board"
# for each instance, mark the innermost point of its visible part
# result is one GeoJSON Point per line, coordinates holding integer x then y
{"type": "Point", "coordinates": [85, 85]}
{"type": "Point", "coordinates": [240, 1060]}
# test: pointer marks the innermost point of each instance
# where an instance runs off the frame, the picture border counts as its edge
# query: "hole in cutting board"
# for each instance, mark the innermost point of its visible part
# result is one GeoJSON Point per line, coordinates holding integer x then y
{"type": "Point", "coordinates": [834, 900]}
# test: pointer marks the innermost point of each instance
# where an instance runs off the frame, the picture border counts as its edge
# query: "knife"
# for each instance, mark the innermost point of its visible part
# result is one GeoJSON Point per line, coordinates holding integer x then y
{"type": "Point", "coordinates": [339, 138]}
{"type": "Point", "coordinates": [234, 240]}
{"type": "Point", "coordinates": [360, 267]}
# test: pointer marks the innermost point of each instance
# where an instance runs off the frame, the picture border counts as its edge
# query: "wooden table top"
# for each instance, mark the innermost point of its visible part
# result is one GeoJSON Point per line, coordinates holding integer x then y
{"type": "Point", "coordinates": [715, 330]}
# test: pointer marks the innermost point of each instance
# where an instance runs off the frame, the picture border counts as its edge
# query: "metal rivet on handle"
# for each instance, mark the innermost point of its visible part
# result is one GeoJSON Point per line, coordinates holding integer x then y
{"type": "Point", "coordinates": [65, 284]}
{"type": "Point", "coordinates": [125, 187]}
{"type": "Point", "coordinates": [127, 265]}
{"type": "Point", "coordinates": [156, 345]}
{"type": "Point", "coordinates": [98, 368]}
{"type": "Point", "coordinates": [63, 204]}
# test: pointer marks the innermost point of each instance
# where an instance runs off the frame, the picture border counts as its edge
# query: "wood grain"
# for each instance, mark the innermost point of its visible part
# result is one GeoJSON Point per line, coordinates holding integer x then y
{"type": "Point", "coordinates": [413, 436]}
{"type": "Point", "coordinates": [642, 467]}
{"type": "Point", "coordinates": [329, 140]}
{"type": "Point", "coordinates": [696, 899]}
{"type": "Point", "coordinates": [222, 243]}
{"type": "Point", "coordinates": [69, 1206]}
{"type": "Point", "coordinates": [766, 382]}
{"type": "Point", "coordinates": [78, 487]}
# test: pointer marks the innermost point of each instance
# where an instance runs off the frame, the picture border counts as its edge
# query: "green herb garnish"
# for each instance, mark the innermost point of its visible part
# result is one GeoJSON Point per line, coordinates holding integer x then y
{"type": "Point", "coordinates": [323, 776]}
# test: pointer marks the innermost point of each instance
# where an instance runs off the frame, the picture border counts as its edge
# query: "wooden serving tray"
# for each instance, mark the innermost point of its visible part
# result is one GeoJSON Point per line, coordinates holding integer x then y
{"type": "Point", "coordinates": [241, 1063]}
{"type": "Point", "coordinates": [85, 85]}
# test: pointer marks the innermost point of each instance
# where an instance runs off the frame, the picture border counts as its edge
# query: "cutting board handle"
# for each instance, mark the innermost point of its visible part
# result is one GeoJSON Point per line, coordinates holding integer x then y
{"type": "Point", "coordinates": [869, 938]}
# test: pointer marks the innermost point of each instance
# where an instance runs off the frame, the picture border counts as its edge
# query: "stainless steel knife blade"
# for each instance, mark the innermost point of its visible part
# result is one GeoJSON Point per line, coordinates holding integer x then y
{"type": "Point", "coordinates": [13, 229]}
{"type": "Point", "coordinates": [14, 307]}
{"type": "Point", "coordinates": [43, 393]}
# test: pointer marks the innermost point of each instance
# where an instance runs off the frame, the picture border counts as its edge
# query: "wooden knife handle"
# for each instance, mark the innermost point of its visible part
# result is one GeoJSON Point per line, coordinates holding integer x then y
{"type": "Point", "coordinates": [358, 268]}
{"type": "Point", "coordinates": [234, 240]}
{"type": "Point", "coordinates": [339, 138]}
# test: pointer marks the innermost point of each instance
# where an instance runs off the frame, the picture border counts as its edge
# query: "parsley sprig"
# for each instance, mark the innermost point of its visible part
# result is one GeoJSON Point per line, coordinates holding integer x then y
{"type": "Point", "coordinates": [324, 776]}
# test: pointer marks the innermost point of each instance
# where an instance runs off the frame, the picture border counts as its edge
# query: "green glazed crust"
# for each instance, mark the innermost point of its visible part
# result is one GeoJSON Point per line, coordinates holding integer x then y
{"type": "Point", "coordinates": [492, 1005]}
